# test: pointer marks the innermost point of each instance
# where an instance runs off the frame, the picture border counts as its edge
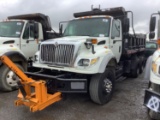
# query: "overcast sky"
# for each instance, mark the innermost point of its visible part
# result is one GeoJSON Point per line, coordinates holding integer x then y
{"type": "Point", "coordinates": [61, 10]}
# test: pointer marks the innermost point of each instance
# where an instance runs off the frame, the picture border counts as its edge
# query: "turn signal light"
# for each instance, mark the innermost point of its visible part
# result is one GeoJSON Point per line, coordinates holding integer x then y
{"type": "Point", "coordinates": [154, 67]}
{"type": "Point", "coordinates": [158, 41]}
{"type": "Point", "coordinates": [94, 41]}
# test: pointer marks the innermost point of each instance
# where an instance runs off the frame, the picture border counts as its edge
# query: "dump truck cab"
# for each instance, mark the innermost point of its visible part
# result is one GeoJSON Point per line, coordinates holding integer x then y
{"type": "Point", "coordinates": [21, 33]}
{"type": "Point", "coordinates": [78, 37]}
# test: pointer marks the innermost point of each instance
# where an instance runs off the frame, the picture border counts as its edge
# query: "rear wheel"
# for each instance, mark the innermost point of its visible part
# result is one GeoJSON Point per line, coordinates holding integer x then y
{"type": "Point", "coordinates": [141, 64]}
{"type": "Point", "coordinates": [135, 72]}
{"type": "Point", "coordinates": [8, 79]}
{"type": "Point", "coordinates": [102, 86]}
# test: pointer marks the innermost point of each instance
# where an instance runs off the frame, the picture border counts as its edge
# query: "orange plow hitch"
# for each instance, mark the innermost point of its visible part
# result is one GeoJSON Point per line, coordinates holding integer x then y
{"type": "Point", "coordinates": [31, 93]}
{"type": "Point", "coordinates": [39, 99]}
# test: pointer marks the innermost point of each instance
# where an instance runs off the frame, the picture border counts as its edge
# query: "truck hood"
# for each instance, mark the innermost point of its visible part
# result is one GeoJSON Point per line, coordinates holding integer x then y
{"type": "Point", "coordinates": [68, 39]}
{"type": "Point", "coordinates": [77, 41]}
{"type": "Point", "coordinates": [73, 39]}
{"type": "Point", "coordinates": [63, 51]}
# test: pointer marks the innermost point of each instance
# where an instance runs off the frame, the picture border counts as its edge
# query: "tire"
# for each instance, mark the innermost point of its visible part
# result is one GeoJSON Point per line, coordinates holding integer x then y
{"type": "Point", "coordinates": [135, 72]}
{"type": "Point", "coordinates": [8, 78]}
{"type": "Point", "coordinates": [102, 86]}
{"type": "Point", "coordinates": [152, 114]}
{"type": "Point", "coordinates": [141, 65]}
{"type": "Point", "coordinates": [141, 69]}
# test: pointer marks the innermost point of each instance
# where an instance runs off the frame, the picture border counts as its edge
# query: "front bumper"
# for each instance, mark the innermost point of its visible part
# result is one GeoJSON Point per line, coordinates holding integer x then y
{"type": "Point", "coordinates": [63, 83]}
{"type": "Point", "coordinates": [152, 100]}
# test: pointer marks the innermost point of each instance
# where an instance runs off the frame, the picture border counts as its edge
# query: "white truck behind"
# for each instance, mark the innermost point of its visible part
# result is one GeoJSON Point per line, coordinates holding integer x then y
{"type": "Point", "coordinates": [19, 38]}
{"type": "Point", "coordinates": [152, 73]}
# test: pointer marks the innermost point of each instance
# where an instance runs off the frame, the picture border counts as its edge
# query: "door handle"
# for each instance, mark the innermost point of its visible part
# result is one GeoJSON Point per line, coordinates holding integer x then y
{"type": "Point", "coordinates": [114, 41]}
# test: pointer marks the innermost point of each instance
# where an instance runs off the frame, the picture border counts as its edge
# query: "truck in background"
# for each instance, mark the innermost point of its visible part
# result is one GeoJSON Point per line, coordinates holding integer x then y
{"type": "Point", "coordinates": [151, 47]}
{"type": "Point", "coordinates": [96, 49]}
{"type": "Point", "coordinates": [152, 73]}
{"type": "Point", "coordinates": [21, 33]}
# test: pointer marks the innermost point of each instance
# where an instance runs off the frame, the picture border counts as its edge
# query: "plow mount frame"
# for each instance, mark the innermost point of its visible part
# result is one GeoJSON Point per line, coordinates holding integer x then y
{"type": "Point", "coordinates": [32, 93]}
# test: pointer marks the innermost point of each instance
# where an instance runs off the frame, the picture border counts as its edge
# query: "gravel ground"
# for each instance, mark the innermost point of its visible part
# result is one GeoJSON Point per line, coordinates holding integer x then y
{"type": "Point", "coordinates": [126, 104]}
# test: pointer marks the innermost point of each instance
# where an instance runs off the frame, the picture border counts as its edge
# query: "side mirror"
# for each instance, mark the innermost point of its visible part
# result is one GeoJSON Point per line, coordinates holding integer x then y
{"type": "Point", "coordinates": [151, 35]}
{"type": "Point", "coordinates": [126, 25]}
{"type": "Point", "coordinates": [36, 31]}
{"type": "Point", "coordinates": [152, 24]}
{"type": "Point", "coordinates": [61, 29]}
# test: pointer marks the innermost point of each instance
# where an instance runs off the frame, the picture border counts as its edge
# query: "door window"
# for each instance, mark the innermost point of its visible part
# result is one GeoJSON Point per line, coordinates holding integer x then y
{"type": "Point", "coordinates": [29, 32]}
{"type": "Point", "coordinates": [115, 28]}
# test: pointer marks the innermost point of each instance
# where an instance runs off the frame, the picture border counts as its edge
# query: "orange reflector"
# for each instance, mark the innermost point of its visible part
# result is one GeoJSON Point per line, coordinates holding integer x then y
{"type": "Point", "coordinates": [94, 41]}
{"type": "Point", "coordinates": [154, 67]}
{"type": "Point", "coordinates": [158, 41]}
{"type": "Point", "coordinates": [107, 17]}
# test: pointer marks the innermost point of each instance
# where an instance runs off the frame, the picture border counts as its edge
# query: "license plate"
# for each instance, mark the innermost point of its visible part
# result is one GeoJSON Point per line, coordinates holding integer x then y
{"type": "Point", "coordinates": [152, 100]}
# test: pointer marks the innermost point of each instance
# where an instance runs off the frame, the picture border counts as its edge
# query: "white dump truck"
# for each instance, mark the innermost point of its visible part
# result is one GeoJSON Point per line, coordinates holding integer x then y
{"type": "Point", "coordinates": [94, 51]}
{"type": "Point", "coordinates": [152, 73]}
{"type": "Point", "coordinates": [21, 34]}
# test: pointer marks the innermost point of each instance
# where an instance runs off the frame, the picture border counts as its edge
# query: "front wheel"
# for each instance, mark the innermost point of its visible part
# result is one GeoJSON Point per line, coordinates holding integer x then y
{"type": "Point", "coordinates": [102, 86]}
{"type": "Point", "coordinates": [8, 80]}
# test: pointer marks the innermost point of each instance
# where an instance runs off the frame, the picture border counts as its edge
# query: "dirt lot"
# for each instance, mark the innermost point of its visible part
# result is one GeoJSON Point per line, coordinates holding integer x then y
{"type": "Point", "coordinates": [126, 104]}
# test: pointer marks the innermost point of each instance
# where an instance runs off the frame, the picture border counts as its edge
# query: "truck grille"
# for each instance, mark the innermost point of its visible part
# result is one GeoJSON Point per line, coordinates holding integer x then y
{"type": "Point", "coordinates": [60, 55]}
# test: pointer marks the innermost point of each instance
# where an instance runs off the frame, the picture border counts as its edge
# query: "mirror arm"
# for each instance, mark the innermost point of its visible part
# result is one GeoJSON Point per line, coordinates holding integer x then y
{"type": "Point", "coordinates": [132, 22]}
{"type": "Point", "coordinates": [93, 51]}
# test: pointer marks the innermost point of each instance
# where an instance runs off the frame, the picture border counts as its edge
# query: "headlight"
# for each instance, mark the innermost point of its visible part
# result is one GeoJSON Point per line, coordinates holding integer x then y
{"type": "Point", "coordinates": [87, 62]}
{"type": "Point", "coordinates": [84, 62]}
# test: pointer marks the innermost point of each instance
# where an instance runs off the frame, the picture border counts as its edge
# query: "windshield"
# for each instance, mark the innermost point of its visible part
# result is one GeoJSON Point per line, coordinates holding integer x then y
{"type": "Point", "coordinates": [11, 29]}
{"type": "Point", "coordinates": [151, 45]}
{"type": "Point", "coordinates": [96, 27]}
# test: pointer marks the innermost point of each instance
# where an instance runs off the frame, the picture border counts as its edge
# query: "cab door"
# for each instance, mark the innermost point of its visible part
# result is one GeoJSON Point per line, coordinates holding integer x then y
{"type": "Point", "coordinates": [29, 45]}
{"type": "Point", "coordinates": [116, 39]}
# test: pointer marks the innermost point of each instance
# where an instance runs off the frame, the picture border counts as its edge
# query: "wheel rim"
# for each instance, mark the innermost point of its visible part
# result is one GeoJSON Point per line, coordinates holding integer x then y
{"type": "Point", "coordinates": [107, 86]}
{"type": "Point", "coordinates": [11, 79]}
